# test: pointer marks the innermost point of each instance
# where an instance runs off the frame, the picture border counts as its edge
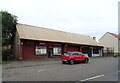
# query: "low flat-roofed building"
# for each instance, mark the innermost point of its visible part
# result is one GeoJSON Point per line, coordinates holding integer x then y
{"type": "Point", "coordinates": [39, 42]}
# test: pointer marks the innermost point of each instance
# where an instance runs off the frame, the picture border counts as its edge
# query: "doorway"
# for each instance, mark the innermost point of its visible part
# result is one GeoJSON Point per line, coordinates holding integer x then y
{"type": "Point", "coordinates": [87, 50]}
{"type": "Point", "coordinates": [90, 52]}
{"type": "Point", "coordinates": [50, 52]}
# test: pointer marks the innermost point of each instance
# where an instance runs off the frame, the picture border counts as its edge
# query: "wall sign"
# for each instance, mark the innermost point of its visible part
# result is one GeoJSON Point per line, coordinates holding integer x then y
{"type": "Point", "coordinates": [49, 44]}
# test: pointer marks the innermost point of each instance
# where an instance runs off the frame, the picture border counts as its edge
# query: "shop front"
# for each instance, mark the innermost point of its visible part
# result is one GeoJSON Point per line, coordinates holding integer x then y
{"type": "Point", "coordinates": [36, 49]}
{"type": "Point", "coordinates": [33, 49]}
{"type": "Point", "coordinates": [49, 49]}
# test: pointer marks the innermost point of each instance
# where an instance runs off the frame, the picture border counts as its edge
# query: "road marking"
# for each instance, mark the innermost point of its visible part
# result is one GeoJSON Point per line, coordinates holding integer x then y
{"type": "Point", "coordinates": [40, 70]}
{"type": "Point", "coordinates": [92, 77]}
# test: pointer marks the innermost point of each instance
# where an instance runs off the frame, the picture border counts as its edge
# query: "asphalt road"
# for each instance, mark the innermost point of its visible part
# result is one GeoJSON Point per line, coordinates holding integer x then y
{"type": "Point", "coordinates": [98, 69]}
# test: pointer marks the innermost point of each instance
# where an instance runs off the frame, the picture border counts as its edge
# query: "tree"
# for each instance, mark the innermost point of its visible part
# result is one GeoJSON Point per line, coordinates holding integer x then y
{"type": "Point", "coordinates": [9, 22]}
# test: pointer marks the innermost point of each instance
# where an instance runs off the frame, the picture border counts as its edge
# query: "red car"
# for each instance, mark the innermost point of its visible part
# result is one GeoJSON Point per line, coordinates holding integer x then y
{"type": "Point", "coordinates": [72, 57]}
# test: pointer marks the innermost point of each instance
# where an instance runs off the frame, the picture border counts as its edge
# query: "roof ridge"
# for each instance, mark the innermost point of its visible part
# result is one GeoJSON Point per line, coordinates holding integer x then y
{"type": "Point", "coordinates": [115, 35]}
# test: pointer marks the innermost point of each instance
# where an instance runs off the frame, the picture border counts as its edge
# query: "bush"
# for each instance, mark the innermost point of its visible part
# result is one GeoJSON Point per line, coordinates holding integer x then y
{"type": "Point", "coordinates": [6, 55]}
{"type": "Point", "coordinates": [116, 55]}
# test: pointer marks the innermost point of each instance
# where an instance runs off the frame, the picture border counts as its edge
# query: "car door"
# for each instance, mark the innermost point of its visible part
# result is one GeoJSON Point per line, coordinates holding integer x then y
{"type": "Point", "coordinates": [76, 56]}
{"type": "Point", "coordinates": [81, 56]}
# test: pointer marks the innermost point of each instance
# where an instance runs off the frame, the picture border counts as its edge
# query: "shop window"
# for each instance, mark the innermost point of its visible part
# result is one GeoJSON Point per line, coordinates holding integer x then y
{"type": "Point", "coordinates": [40, 50]}
{"type": "Point", "coordinates": [57, 51]}
{"type": "Point", "coordinates": [95, 51]}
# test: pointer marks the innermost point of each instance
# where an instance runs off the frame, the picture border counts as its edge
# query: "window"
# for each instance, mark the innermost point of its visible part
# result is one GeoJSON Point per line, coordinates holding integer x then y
{"type": "Point", "coordinates": [57, 50]}
{"type": "Point", "coordinates": [81, 54]}
{"type": "Point", "coordinates": [67, 54]}
{"type": "Point", "coordinates": [85, 50]}
{"type": "Point", "coordinates": [75, 54]}
{"type": "Point", "coordinates": [40, 50]}
{"type": "Point", "coordinates": [95, 51]}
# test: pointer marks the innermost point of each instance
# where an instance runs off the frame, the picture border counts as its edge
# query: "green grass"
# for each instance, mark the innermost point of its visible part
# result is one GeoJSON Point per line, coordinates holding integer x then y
{"type": "Point", "coordinates": [112, 55]}
{"type": "Point", "coordinates": [117, 55]}
{"type": "Point", "coordinates": [6, 62]}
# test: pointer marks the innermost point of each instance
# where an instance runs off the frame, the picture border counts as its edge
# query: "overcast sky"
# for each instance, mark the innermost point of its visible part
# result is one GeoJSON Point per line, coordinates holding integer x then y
{"type": "Point", "coordinates": [86, 17]}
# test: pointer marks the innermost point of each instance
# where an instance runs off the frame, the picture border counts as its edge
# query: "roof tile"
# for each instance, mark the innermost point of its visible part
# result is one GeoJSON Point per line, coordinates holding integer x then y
{"type": "Point", "coordinates": [115, 35]}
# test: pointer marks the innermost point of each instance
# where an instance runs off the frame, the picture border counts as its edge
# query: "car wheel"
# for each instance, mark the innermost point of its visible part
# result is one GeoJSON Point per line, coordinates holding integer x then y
{"type": "Point", "coordinates": [86, 60]}
{"type": "Point", "coordinates": [63, 62]}
{"type": "Point", "coordinates": [71, 61]}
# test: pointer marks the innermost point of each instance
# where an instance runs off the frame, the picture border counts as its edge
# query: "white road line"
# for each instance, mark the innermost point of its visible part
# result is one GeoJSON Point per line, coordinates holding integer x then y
{"type": "Point", "coordinates": [40, 70]}
{"type": "Point", "coordinates": [92, 77]}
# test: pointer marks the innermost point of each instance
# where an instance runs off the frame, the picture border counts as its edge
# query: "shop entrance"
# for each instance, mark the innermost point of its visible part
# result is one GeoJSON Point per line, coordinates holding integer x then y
{"type": "Point", "coordinates": [87, 50]}
{"type": "Point", "coordinates": [90, 52]}
{"type": "Point", "coordinates": [50, 52]}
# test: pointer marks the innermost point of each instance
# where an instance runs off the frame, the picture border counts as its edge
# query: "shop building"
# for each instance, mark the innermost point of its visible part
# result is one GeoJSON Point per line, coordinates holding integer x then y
{"type": "Point", "coordinates": [38, 42]}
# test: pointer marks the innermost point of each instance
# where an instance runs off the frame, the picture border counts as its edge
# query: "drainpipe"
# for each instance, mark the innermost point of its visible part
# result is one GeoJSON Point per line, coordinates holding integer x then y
{"type": "Point", "coordinates": [102, 52]}
{"type": "Point", "coordinates": [21, 51]}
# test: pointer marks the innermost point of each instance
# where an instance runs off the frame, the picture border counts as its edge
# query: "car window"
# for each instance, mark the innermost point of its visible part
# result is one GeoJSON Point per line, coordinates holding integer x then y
{"type": "Point", "coordinates": [75, 54]}
{"type": "Point", "coordinates": [67, 54]}
{"type": "Point", "coordinates": [81, 54]}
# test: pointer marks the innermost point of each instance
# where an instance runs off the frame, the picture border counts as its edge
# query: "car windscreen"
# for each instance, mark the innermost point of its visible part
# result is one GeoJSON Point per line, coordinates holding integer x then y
{"type": "Point", "coordinates": [67, 54]}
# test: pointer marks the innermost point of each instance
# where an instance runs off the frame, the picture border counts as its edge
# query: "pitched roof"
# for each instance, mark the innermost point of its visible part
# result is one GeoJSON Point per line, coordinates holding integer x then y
{"type": "Point", "coordinates": [115, 35]}
{"type": "Point", "coordinates": [45, 34]}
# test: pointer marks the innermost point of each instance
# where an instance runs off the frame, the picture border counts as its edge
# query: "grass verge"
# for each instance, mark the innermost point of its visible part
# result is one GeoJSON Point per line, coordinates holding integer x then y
{"type": "Point", "coordinates": [6, 62]}
{"type": "Point", "coordinates": [116, 55]}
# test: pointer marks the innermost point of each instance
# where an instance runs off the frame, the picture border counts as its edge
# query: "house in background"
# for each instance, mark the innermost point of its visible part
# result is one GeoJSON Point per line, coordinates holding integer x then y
{"type": "Point", "coordinates": [110, 42]}
{"type": "Point", "coordinates": [38, 42]}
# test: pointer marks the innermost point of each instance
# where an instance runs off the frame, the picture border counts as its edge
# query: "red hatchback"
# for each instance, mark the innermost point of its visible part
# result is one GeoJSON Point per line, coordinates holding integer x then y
{"type": "Point", "coordinates": [72, 57]}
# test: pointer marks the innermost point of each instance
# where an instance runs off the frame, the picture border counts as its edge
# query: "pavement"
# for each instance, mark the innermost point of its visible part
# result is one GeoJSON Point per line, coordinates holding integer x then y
{"type": "Point", "coordinates": [31, 62]}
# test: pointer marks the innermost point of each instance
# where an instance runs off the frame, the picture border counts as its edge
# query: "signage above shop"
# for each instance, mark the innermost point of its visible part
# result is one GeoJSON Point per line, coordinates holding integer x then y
{"type": "Point", "coordinates": [50, 44]}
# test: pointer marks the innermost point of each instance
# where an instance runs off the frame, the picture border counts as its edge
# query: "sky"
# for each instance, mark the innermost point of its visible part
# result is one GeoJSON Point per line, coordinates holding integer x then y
{"type": "Point", "coordinates": [87, 17]}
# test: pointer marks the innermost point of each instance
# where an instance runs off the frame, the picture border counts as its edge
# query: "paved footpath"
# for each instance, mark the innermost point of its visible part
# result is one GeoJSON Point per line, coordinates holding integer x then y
{"type": "Point", "coordinates": [31, 62]}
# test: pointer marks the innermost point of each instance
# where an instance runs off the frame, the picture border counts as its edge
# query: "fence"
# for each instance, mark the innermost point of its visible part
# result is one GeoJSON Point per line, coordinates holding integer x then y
{"type": "Point", "coordinates": [108, 51]}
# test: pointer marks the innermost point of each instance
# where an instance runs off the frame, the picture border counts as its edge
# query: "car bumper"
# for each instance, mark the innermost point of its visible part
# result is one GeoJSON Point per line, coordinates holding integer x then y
{"type": "Point", "coordinates": [66, 60]}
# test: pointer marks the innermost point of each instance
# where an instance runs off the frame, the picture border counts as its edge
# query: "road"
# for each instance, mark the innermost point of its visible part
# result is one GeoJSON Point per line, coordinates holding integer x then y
{"type": "Point", "coordinates": [98, 69]}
